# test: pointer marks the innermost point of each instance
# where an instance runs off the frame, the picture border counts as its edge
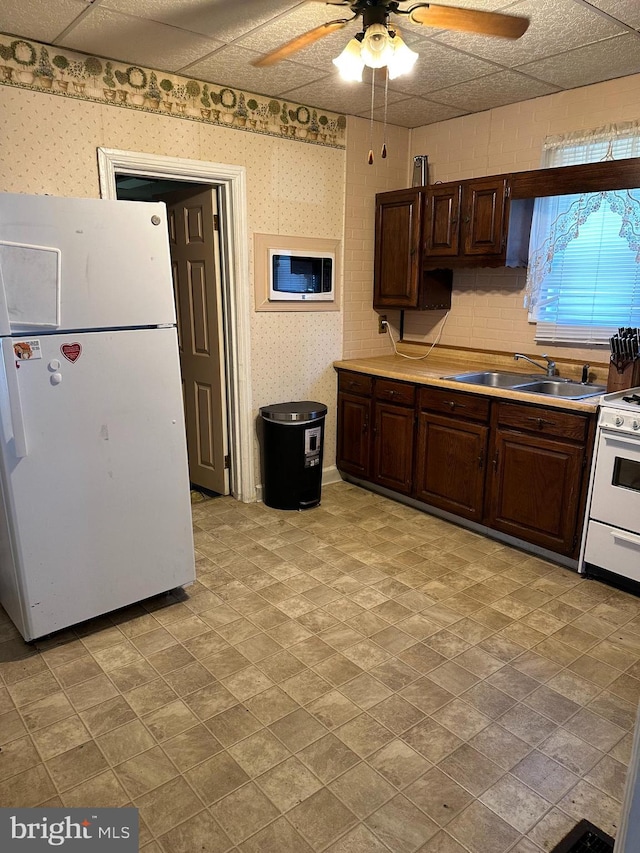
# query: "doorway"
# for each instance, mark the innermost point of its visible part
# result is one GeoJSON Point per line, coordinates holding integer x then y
{"type": "Point", "coordinates": [167, 174]}
{"type": "Point", "coordinates": [194, 245]}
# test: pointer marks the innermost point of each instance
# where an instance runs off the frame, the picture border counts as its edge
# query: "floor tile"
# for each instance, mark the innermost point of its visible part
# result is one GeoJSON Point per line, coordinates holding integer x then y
{"type": "Point", "coordinates": [168, 805]}
{"type": "Point", "coordinates": [216, 777]}
{"type": "Point", "coordinates": [258, 753]}
{"type": "Point", "coordinates": [328, 757]}
{"type": "Point", "coordinates": [364, 735]}
{"type": "Point", "coordinates": [288, 783]}
{"type": "Point", "coordinates": [321, 818]}
{"type": "Point", "coordinates": [201, 832]}
{"type": "Point", "coordinates": [297, 729]}
{"type": "Point", "coordinates": [438, 796]}
{"type": "Point", "coordinates": [278, 837]}
{"type": "Point", "coordinates": [517, 804]}
{"type": "Point", "coordinates": [478, 829]}
{"type": "Point", "coordinates": [362, 790]}
{"type": "Point", "coordinates": [244, 812]}
{"type": "Point", "coordinates": [471, 769]}
{"type": "Point", "coordinates": [401, 826]}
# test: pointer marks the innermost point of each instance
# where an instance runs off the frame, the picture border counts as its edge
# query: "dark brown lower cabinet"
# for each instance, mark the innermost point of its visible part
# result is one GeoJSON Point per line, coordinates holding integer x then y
{"type": "Point", "coordinates": [537, 479]}
{"type": "Point", "coordinates": [354, 438]}
{"type": "Point", "coordinates": [393, 447]}
{"type": "Point", "coordinates": [517, 468]}
{"type": "Point", "coordinates": [534, 489]}
{"type": "Point", "coordinates": [450, 464]}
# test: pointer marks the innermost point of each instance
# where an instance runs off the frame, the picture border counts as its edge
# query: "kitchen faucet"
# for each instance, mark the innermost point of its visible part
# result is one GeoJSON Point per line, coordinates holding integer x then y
{"type": "Point", "coordinates": [549, 368]}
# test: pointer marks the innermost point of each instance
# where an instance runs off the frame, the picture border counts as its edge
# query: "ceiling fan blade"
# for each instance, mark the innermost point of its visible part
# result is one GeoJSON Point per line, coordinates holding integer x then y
{"type": "Point", "coordinates": [299, 42]}
{"type": "Point", "coordinates": [469, 21]}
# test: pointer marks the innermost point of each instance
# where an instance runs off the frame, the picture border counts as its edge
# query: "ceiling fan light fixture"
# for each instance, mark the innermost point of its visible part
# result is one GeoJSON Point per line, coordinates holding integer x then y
{"type": "Point", "coordinates": [403, 59]}
{"type": "Point", "coordinates": [377, 46]}
{"type": "Point", "coordinates": [350, 62]}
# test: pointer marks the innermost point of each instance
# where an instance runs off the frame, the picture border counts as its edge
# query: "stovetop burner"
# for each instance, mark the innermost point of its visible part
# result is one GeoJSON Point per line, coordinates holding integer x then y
{"type": "Point", "coordinates": [629, 399]}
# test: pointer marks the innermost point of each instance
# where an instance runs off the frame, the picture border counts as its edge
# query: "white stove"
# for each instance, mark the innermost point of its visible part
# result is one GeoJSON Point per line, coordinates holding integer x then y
{"type": "Point", "coordinates": [611, 540]}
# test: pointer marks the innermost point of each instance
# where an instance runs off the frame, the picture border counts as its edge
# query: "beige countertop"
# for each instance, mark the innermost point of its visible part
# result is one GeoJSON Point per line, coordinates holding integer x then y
{"type": "Point", "coordinates": [441, 363]}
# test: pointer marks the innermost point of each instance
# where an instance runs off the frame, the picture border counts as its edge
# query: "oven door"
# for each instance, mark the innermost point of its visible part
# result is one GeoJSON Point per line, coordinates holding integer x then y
{"type": "Point", "coordinates": [615, 498]}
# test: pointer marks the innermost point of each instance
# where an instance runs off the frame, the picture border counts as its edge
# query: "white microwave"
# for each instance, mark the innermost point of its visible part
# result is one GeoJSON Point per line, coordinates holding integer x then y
{"type": "Point", "coordinates": [301, 276]}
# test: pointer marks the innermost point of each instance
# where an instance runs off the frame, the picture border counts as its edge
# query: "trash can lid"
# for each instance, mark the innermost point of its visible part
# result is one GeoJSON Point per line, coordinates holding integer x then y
{"type": "Point", "coordinates": [302, 410]}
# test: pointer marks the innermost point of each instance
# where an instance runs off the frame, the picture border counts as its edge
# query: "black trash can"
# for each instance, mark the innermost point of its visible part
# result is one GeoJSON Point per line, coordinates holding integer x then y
{"type": "Point", "coordinates": [292, 443]}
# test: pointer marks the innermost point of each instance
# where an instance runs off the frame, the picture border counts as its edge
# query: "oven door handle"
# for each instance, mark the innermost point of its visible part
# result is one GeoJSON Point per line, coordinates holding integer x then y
{"type": "Point", "coordinates": [626, 537]}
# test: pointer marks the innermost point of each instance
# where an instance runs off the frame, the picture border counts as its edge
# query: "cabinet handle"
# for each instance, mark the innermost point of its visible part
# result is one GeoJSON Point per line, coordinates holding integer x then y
{"type": "Point", "coordinates": [452, 404]}
{"type": "Point", "coordinates": [466, 220]}
{"type": "Point", "coordinates": [391, 393]}
{"type": "Point", "coordinates": [481, 461]}
{"type": "Point", "coordinates": [365, 426]}
{"type": "Point", "coordinates": [495, 461]}
{"type": "Point", "coordinates": [540, 422]}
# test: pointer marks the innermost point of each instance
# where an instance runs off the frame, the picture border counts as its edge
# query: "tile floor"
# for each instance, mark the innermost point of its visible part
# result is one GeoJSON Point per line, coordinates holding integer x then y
{"type": "Point", "coordinates": [359, 678]}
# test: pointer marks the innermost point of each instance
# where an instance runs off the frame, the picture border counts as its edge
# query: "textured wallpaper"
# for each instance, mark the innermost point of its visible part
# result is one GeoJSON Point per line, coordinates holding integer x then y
{"type": "Point", "coordinates": [48, 145]}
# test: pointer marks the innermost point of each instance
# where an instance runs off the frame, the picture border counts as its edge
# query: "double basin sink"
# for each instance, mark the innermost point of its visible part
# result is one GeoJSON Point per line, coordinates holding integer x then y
{"type": "Point", "coordinates": [556, 387]}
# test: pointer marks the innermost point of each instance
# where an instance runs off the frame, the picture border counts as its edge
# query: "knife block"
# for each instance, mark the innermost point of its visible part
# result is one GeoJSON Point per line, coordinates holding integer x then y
{"type": "Point", "coordinates": [628, 377]}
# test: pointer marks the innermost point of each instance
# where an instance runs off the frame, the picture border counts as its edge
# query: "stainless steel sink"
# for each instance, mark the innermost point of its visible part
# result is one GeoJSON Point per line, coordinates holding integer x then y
{"type": "Point", "coordinates": [562, 388]}
{"type": "Point", "coordinates": [493, 378]}
{"type": "Point", "coordinates": [530, 384]}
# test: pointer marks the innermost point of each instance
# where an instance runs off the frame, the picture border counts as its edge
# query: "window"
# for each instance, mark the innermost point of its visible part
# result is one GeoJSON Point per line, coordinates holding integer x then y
{"type": "Point", "coordinates": [583, 280]}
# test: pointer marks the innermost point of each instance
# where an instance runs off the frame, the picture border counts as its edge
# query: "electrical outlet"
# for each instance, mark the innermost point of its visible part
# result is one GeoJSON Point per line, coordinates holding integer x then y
{"type": "Point", "coordinates": [382, 324]}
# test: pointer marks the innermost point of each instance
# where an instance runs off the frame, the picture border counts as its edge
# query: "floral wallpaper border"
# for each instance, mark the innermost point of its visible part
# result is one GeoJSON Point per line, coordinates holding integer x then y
{"type": "Point", "coordinates": [46, 68]}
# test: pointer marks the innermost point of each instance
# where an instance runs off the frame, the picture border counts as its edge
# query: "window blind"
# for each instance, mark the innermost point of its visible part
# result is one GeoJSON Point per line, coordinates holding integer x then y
{"type": "Point", "coordinates": [587, 281]}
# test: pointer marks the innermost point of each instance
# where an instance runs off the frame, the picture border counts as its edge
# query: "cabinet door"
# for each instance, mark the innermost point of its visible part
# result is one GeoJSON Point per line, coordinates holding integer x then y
{"type": "Point", "coordinates": [441, 221]}
{"type": "Point", "coordinates": [483, 204]}
{"type": "Point", "coordinates": [534, 490]}
{"type": "Point", "coordinates": [450, 468]}
{"type": "Point", "coordinates": [397, 245]}
{"type": "Point", "coordinates": [393, 447]}
{"type": "Point", "coordinates": [354, 414]}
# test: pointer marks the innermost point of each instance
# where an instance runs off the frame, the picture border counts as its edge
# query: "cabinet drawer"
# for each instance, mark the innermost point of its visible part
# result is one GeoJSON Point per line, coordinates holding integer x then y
{"type": "Point", "coordinates": [469, 406]}
{"type": "Point", "coordinates": [355, 383]}
{"type": "Point", "coordinates": [395, 392]}
{"type": "Point", "coordinates": [543, 420]}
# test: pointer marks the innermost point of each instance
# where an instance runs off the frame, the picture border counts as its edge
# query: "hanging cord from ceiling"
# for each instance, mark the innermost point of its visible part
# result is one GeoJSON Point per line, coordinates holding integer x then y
{"type": "Point", "coordinates": [418, 357]}
{"type": "Point", "coordinates": [373, 93]}
{"type": "Point", "coordinates": [384, 126]}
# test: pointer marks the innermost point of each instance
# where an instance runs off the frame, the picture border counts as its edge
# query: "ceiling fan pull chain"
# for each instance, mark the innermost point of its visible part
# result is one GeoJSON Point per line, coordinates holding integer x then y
{"type": "Point", "coordinates": [384, 127]}
{"type": "Point", "coordinates": [373, 92]}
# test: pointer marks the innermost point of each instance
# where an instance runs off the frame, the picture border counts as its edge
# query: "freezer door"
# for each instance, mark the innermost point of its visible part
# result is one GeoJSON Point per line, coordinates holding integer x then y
{"type": "Point", "coordinates": [97, 508]}
{"type": "Point", "coordinates": [68, 263]}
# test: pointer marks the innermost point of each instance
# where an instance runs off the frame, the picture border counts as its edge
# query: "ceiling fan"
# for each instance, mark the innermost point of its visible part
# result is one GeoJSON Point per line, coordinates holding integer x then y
{"type": "Point", "coordinates": [375, 21]}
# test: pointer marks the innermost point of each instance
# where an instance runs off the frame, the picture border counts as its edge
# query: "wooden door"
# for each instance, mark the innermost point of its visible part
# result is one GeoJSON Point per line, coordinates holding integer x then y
{"type": "Point", "coordinates": [195, 258]}
{"type": "Point", "coordinates": [397, 249]}
{"type": "Point", "coordinates": [392, 464]}
{"type": "Point", "coordinates": [534, 489]}
{"type": "Point", "coordinates": [451, 462]}
{"type": "Point", "coordinates": [441, 221]}
{"type": "Point", "coordinates": [354, 415]}
{"type": "Point", "coordinates": [483, 203]}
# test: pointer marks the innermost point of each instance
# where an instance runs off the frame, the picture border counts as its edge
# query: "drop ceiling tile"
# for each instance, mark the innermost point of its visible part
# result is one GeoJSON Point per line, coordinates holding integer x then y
{"type": "Point", "coordinates": [129, 39]}
{"type": "Point", "coordinates": [556, 26]}
{"type": "Point", "coordinates": [223, 20]}
{"type": "Point", "coordinates": [334, 94]}
{"type": "Point", "coordinates": [438, 67]}
{"type": "Point", "coordinates": [627, 11]}
{"type": "Point", "coordinates": [415, 112]}
{"type": "Point", "coordinates": [231, 66]}
{"type": "Point", "coordinates": [615, 57]}
{"type": "Point", "coordinates": [39, 21]}
{"type": "Point", "coordinates": [496, 90]}
{"type": "Point", "coordinates": [301, 19]}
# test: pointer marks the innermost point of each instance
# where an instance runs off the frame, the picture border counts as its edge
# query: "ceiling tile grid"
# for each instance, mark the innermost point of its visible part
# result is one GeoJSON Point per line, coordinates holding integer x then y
{"type": "Point", "coordinates": [569, 43]}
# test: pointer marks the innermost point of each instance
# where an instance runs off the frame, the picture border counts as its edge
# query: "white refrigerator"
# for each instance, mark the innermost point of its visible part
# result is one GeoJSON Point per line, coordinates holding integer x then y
{"type": "Point", "coordinates": [95, 503]}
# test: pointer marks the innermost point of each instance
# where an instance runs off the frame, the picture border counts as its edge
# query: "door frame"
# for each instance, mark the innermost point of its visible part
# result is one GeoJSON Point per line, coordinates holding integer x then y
{"type": "Point", "coordinates": [232, 185]}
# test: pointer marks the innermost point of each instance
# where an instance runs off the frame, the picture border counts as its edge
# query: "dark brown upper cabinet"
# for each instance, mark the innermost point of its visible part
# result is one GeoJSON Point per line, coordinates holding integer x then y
{"type": "Point", "coordinates": [465, 223]}
{"type": "Point", "coordinates": [399, 278]}
{"type": "Point", "coordinates": [423, 233]}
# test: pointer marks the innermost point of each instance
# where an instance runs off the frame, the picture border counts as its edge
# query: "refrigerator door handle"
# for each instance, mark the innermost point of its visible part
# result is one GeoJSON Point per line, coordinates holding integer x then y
{"type": "Point", "coordinates": [15, 404]}
{"type": "Point", "coordinates": [5, 322]}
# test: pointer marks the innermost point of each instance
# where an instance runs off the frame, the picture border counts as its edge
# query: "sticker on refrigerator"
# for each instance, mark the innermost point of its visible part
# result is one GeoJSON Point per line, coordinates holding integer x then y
{"type": "Point", "coordinates": [71, 352]}
{"type": "Point", "coordinates": [27, 350]}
